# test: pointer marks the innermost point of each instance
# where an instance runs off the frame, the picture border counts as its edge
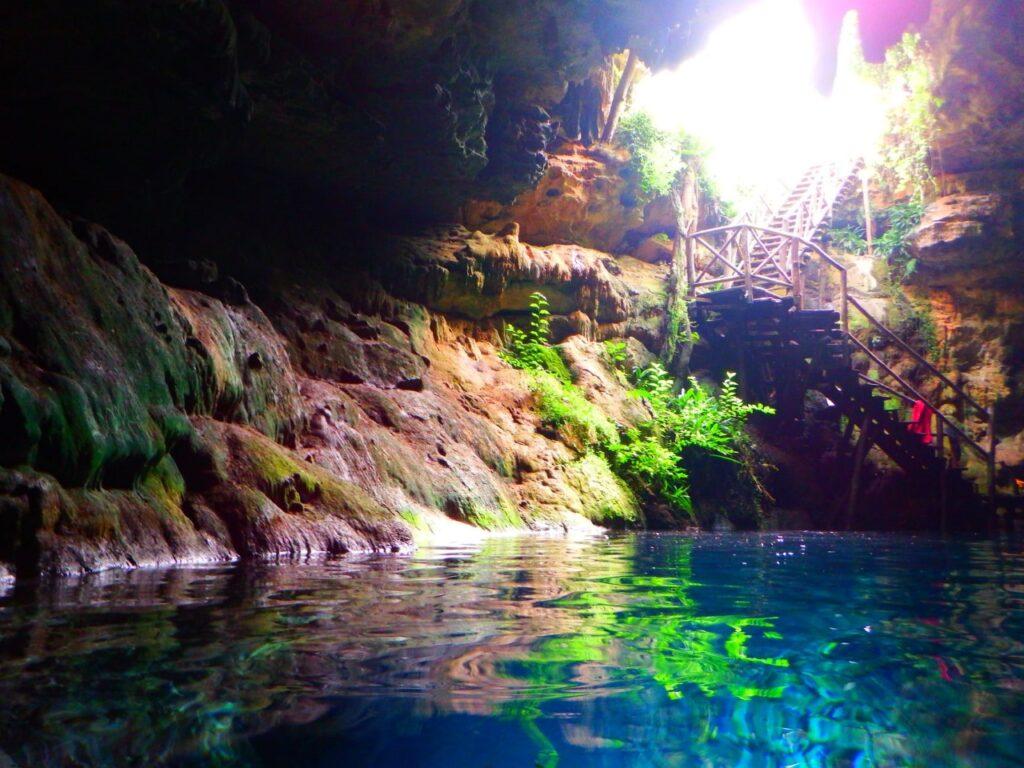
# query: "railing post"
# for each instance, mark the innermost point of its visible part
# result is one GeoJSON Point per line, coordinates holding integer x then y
{"type": "Point", "coordinates": [844, 307]}
{"type": "Point", "coordinates": [940, 435]}
{"type": "Point", "coordinates": [744, 252]}
{"type": "Point", "coordinates": [691, 272]}
{"type": "Point", "coordinates": [992, 456]}
{"type": "Point", "coordinates": [797, 274]}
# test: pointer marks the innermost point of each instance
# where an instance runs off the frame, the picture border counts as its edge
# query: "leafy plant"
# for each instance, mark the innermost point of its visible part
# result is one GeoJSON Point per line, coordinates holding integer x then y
{"type": "Point", "coordinates": [656, 155]}
{"type": "Point", "coordinates": [529, 349]}
{"type": "Point", "coordinates": [901, 220]}
{"type": "Point", "coordinates": [560, 404]}
{"type": "Point", "coordinates": [651, 455]}
{"type": "Point", "coordinates": [849, 239]}
{"type": "Point", "coordinates": [616, 354]}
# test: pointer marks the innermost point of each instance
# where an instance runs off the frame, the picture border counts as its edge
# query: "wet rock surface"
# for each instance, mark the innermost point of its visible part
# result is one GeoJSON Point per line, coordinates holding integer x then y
{"type": "Point", "coordinates": [147, 425]}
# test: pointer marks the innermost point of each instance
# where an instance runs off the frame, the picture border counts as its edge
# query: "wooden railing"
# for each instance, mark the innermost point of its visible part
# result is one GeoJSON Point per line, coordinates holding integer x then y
{"type": "Point", "coordinates": [769, 262]}
{"type": "Point", "coordinates": [823, 187]}
{"type": "Point", "coordinates": [762, 260]}
{"type": "Point", "coordinates": [804, 207]}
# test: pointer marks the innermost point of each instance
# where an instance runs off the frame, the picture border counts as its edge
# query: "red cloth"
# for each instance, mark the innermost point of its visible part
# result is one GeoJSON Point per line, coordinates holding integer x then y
{"type": "Point", "coordinates": [921, 421]}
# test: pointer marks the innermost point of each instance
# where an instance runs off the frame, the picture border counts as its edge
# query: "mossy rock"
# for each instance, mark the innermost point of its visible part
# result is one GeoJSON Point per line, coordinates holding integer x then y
{"type": "Point", "coordinates": [490, 517]}
{"type": "Point", "coordinates": [606, 499]}
{"type": "Point", "coordinates": [98, 393]}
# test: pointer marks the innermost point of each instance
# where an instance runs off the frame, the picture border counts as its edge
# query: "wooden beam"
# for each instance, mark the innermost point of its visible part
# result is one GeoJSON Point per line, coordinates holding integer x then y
{"type": "Point", "coordinates": [913, 390]}
{"type": "Point", "coordinates": [919, 358]}
{"type": "Point", "coordinates": [860, 454]}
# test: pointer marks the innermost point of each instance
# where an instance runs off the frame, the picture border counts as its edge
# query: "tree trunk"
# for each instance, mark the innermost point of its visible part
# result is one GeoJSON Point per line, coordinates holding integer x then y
{"type": "Point", "coordinates": [679, 335]}
{"type": "Point", "coordinates": [619, 100]}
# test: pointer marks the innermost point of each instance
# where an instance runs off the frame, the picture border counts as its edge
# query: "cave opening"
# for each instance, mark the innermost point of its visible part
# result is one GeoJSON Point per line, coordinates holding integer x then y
{"type": "Point", "coordinates": [752, 100]}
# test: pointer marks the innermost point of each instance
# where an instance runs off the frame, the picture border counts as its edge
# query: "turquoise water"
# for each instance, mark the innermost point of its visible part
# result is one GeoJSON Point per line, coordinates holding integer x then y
{"type": "Point", "coordinates": [760, 650]}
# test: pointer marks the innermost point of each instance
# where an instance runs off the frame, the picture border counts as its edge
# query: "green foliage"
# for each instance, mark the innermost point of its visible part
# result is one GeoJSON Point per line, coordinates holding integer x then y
{"type": "Point", "coordinates": [651, 455]}
{"type": "Point", "coordinates": [907, 84]}
{"type": "Point", "coordinates": [898, 222]}
{"type": "Point", "coordinates": [656, 156]}
{"type": "Point", "coordinates": [616, 354]}
{"type": "Point", "coordinates": [561, 405]}
{"type": "Point", "coordinates": [901, 220]}
{"type": "Point", "coordinates": [849, 239]}
{"type": "Point", "coordinates": [652, 469]}
{"type": "Point", "coordinates": [529, 350]}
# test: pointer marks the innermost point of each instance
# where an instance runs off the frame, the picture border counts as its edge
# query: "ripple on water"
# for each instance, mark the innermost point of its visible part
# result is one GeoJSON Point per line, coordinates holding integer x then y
{"type": "Point", "coordinates": [719, 650]}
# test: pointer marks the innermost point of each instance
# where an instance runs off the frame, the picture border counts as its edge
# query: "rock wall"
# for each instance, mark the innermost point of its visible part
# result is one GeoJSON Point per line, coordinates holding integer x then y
{"type": "Point", "coordinates": [969, 251]}
{"type": "Point", "coordinates": [145, 424]}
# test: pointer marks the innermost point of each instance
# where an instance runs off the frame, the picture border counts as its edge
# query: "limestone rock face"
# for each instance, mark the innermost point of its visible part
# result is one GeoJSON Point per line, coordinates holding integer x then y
{"type": "Point", "coordinates": [965, 231]}
{"type": "Point", "coordinates": [979, 61]}
{"type": "Point", "coordinates": [585, 197]}
{"type": "Point", "coordinates": [117, 401]}
{"type": "Point", "coordinates": [146, 425]}
{"type": "Point", "coordinates": [78, 318]}
{"type": "Point", "coordinates": [490, 278]}
{"type": "Point", "coordinates": [968, 247]}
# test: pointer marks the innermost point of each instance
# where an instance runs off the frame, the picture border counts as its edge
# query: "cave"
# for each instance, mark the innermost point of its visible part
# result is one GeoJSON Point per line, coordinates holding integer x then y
{"type": "Point", "coordinates": [511, 383]}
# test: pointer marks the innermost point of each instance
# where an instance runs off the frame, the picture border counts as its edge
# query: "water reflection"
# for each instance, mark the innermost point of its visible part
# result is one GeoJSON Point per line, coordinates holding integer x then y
{"type": "Point", "coordinates": [632, 651]}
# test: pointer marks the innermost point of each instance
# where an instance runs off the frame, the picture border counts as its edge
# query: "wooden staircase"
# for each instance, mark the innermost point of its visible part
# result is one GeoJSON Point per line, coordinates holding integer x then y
{"type": "Point", "coordinates": [806, 210]}
{"type": "Point", "coordinates": [781, 352]}
{"type": "Point", "coordinates": [769, 293]}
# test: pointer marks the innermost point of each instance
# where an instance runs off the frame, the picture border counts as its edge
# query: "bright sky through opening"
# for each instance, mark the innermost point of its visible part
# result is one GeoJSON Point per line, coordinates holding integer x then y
{"type": "Point", "coordinates": [749, 96]}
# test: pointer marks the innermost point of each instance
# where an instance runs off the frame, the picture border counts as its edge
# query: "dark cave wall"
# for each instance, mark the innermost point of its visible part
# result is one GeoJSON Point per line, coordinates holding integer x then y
{"type": "Point", "coordinates": [121, 104]}
{"type": "Point", "coordinates": [397, 110]}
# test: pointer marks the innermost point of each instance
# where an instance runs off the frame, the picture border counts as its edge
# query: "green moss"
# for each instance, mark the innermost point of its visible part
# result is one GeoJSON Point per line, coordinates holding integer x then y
{"type": "Point", "coordinates": [413, 518]}
{"type": "Point", "coordinates": [489, 517]}
{"type": "Point", "coordinates": [276, 469]}
{"type": "Point", "coordinates": [563, 407]}
{"type": "Point", "coordinates": [913, 323]}
{"type": "Point", "coordinates": [164, 485]}
{"type": "Point", "coordinates": [607, 499]}
{"type": "Point", "coordinates": [279, 475]}
{"type": "Point", "coordinates": [20, 421]}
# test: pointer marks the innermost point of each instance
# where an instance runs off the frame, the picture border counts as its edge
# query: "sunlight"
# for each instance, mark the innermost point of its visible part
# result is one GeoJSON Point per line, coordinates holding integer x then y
{"type": "Point", "coordinates": [749, 97]}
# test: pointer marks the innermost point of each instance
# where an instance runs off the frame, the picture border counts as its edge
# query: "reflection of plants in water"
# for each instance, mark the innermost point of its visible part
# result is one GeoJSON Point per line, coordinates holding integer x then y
{"type": "Point", "coordinates": [903, 660]}
{"type": "Point", "coordinates": [654, 634]}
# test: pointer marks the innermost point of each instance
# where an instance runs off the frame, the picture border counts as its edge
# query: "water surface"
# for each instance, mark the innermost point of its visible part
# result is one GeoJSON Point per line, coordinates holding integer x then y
{"type": "Point", "coordinates": [760, 650]}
